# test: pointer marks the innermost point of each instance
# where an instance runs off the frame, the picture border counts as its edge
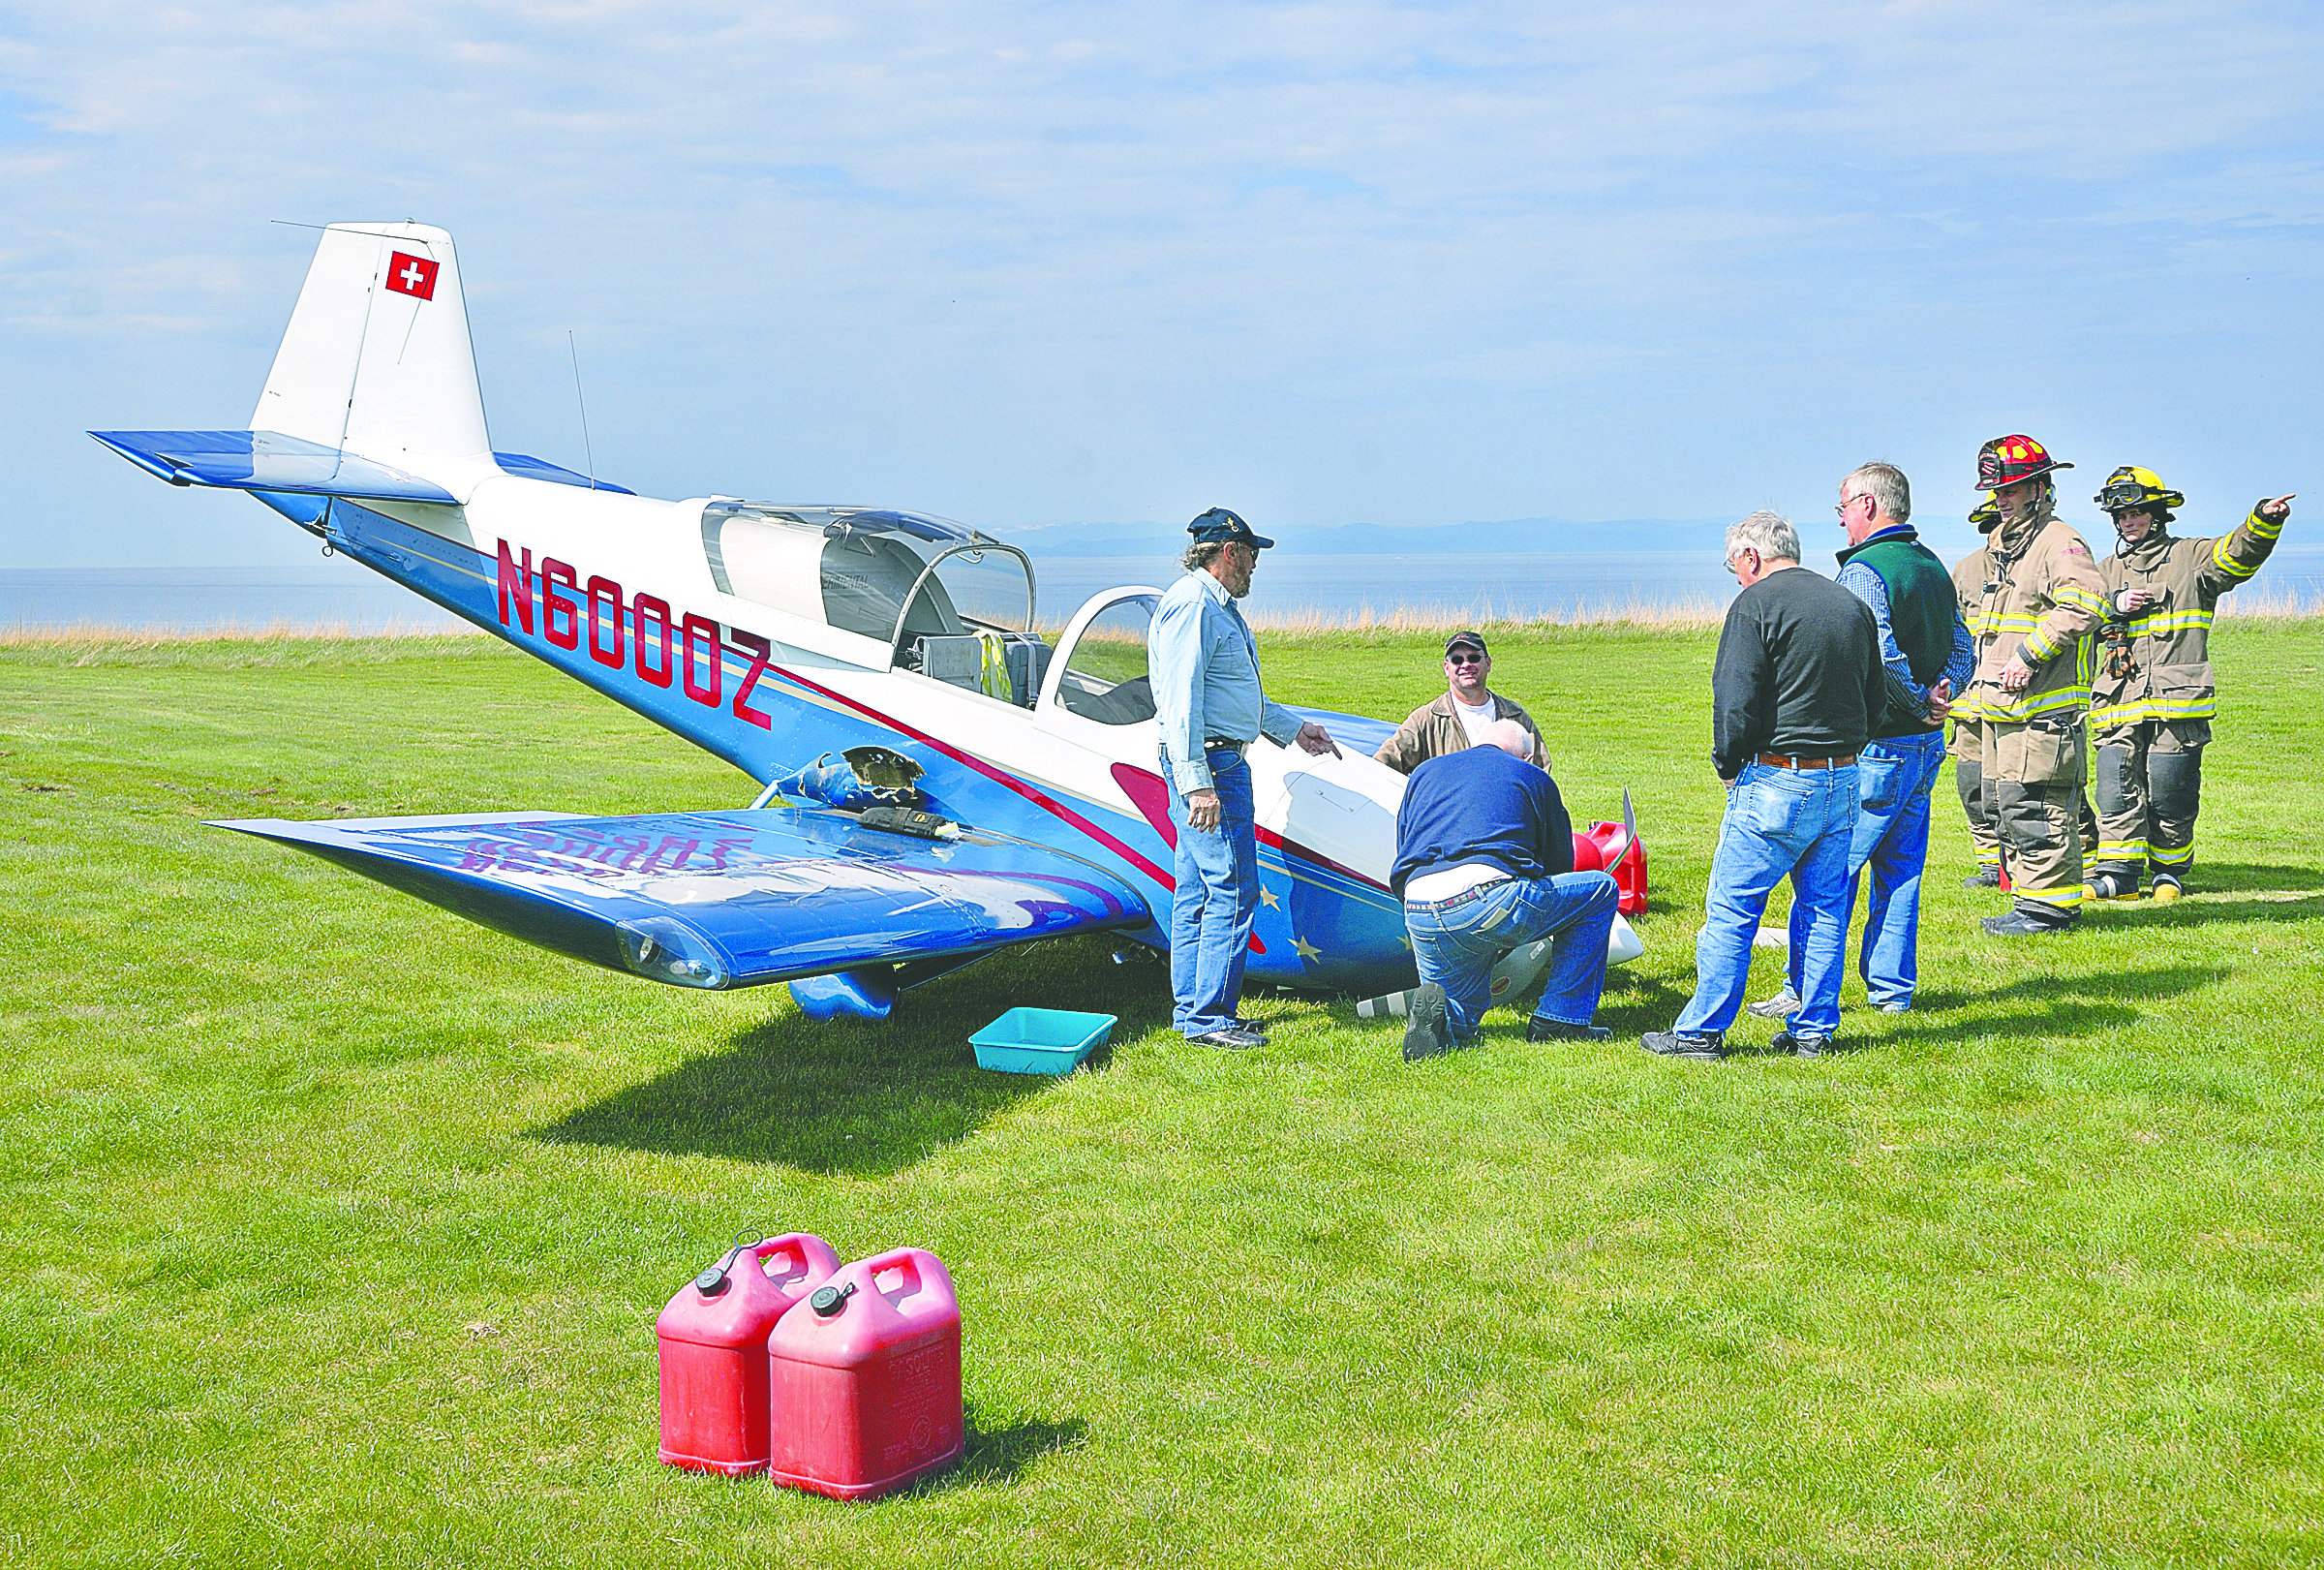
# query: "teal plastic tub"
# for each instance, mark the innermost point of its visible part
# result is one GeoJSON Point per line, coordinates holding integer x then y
{"type": "Point", "coordinates": [1040, 1040]}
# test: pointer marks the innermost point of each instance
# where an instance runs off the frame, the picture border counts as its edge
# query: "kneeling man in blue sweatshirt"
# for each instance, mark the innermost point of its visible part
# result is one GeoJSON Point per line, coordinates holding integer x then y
{"type": "Point", "coordinates": [1485, 864]}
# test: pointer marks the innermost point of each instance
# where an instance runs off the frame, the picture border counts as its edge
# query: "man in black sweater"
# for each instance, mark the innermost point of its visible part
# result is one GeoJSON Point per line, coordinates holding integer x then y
{"type": "Point", "coordinates": [1798, 688]}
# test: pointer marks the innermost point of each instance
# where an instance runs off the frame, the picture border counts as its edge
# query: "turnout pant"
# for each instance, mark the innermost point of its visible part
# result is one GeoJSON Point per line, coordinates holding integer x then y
{"type": "Point", "coordinates": [1969, 780]}
{"type": "Point", "coordinates": [2033, 775]}
{"type": "Point", "coordinates": [2150, 787]}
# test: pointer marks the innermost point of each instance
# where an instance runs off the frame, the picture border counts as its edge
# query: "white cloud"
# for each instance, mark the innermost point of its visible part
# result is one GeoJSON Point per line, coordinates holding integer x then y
{"type": "Point", "coordinates": [1030, 264]}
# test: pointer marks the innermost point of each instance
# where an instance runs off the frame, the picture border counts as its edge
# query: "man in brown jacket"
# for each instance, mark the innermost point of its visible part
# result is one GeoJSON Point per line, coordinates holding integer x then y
{"type": "Point", "coordinates": [2040, 599]}
{"type": "Point", "coordinates": [2152, 697]}
{"type": "Point", "coordinates": [1452, 720]}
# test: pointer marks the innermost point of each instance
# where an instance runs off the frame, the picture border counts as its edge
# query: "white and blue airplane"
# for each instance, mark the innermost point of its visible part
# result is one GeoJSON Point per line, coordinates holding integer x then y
{"type": "Point", "coordinates": [941, 780]}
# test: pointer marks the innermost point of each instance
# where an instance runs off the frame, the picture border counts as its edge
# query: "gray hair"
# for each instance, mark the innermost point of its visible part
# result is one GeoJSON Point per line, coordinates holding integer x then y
{"type": "Point", "coordinates": [1201, 554]}
{"type": "Point", "coordinates": [1510, 736]}
{"type": "Point", "coordinates": [1886, 485]}
{"type": "Point", "coordinates": [1770, 534]}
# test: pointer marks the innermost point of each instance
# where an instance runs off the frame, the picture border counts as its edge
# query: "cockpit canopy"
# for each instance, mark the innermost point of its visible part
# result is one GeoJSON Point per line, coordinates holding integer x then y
{"type": "Point", "coordinates": [895, 577]}
{"type": "Point", "coordinates": [948, 602]}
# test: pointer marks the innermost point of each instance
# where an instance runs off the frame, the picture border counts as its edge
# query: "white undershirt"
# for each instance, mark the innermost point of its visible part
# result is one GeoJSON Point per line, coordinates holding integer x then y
{"type": "Point", "coordinates": [1473, 718]}
{"type": "Point", "coordinates": [1446, 882]}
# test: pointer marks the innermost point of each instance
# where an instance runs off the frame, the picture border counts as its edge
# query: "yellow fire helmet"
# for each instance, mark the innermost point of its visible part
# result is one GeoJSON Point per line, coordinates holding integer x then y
{"type": "Point", "coordinates": [1986, 514]}
{"type": "Point", "coordinates": [2131, 489]}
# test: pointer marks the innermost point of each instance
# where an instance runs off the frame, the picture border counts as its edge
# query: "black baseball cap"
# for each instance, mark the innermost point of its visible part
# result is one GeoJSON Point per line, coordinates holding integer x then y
{"type": "Point", "coordinates": [1218, 526]}
{"type": "Point", "coordinates": [1475, 639]}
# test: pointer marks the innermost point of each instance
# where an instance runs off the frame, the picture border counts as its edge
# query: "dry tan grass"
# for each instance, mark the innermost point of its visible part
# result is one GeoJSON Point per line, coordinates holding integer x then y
{"type": "Point", "coordinates": [1692, 612]}
{"type": "Point", "coordinates": [2263, 602]}
{"type": "Point", "coordinates": [147, 637]}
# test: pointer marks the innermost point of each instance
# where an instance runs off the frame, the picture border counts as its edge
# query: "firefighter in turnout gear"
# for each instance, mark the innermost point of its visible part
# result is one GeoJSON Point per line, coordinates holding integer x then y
{"type": "Point", "coordinates": [2042, 595]}
{"type": "Point", "coordinates": [2151, 694]}
{"type": "Point", "coordinates": [1969, 731]}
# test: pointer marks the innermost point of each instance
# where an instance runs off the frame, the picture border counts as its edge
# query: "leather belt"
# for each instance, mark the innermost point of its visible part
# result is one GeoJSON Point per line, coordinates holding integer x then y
{"type": "Point", "coordinates": [1474, 891]}
{"type": "Point", "coordinates": [1776, 760]}
{"type": "Point", "coordinates": [1223, 744]}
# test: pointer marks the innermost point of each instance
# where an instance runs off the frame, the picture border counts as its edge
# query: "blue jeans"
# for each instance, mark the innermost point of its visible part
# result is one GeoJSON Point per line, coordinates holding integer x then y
{"type": "Point", "coordinates": [1457, 942]}
{"type": "Point", "coordinates": [1893, 783]}
{"type": "Point", "coordinates": [1215, 903]}
{"type": "Point", "coordinates": [1799, 822]}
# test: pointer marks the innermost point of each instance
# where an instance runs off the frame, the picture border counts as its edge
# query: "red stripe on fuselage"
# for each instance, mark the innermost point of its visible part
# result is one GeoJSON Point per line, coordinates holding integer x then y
{"type": "Point", "coordinates": [1038, 798]}
{"type": "Point", "coordinates": [1289, 849]}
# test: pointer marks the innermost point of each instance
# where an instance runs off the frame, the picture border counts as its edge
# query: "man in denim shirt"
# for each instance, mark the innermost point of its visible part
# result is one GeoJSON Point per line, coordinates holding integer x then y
{"type": "Point", "coordinates": [1796, 693]}
{"type": "Point", "coordinates": [1205, 667]}
{"type": "Point", "coordinates": [1926, 645]}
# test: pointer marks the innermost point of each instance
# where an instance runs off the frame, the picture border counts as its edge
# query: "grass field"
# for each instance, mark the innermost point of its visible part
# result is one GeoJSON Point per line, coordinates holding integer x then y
{"type": "Point", "coordinates": [335, 1228]}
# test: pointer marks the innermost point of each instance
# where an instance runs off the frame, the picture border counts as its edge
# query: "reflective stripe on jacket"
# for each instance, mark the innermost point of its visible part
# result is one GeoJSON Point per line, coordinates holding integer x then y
{"type": "Point", "coordinates": [2041, 596]}
{"type": "Point", "coordinates": [1969, 588]}
{"type": "Point", "coordinates": [2166, 668]}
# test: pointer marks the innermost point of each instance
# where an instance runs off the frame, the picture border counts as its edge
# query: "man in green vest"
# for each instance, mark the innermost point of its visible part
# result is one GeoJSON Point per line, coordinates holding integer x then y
{"type": "Point", "coordinates": [1927, 649]}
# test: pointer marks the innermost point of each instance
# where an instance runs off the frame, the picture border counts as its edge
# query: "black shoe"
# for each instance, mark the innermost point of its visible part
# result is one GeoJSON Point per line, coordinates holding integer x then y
{"type": "Point", "coordinates": [1803, 1046]}
{"type": "Point", "coordinates": [1542, 1030]}
{"type": "Point", "coordinates": [1988, 877]}
{"type": "Point", "coordinates": [1783, 1005]}
{"type": "Point", "coordinates": [1704, 1049]}
{"type": "Point", "coordinates": [1427, 1032]}
{"type": "Point", "coordinates": [1251, 1027]}
{"type": "Point", "coordinates": [2018, 924]}
{"type": "Point", "coordinates": [1229, 1039]}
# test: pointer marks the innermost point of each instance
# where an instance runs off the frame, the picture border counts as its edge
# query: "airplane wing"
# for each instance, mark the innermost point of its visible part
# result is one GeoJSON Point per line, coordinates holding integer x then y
{"type": "Point", "coordinates": [726, 899]}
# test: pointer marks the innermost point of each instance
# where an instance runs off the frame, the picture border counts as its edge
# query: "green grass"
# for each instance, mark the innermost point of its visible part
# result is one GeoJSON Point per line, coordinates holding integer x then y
{"type": "Point", "coordinates": [335, 1228]}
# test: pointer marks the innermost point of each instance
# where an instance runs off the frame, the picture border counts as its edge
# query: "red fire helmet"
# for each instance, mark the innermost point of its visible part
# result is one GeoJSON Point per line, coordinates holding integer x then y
{"type": "Point", "coordinates": [2006, 460]}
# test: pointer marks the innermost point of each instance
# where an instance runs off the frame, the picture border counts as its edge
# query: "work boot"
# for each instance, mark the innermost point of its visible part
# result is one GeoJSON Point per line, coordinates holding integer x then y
{"type": "Point", "coordinates": [1983, 878]}
{"type": "Point", "coordinates": [1702, 1049]}
{"type": "Point", "coordinates": [1782, 1006]}
{"type": "Point", "coordinates": [2018, 924]}
{"type": "Point", "coordinates": [2109, 887]}
{"type": "Point", "coordinates": [1538, 1029]}
{"type": "Point", "coordinates": [1803, 1046]}
{"type": "Point", "coordinates": [1427, 1034]}
{"type": "Point", "coordinates": [2167, 889]}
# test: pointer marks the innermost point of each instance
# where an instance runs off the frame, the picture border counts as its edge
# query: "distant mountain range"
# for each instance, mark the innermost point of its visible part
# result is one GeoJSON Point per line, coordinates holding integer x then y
{"type": "Point", "coordinates": [1507, 536]}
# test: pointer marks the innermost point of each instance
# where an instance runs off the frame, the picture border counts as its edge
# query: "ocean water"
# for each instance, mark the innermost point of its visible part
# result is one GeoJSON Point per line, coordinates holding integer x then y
{"type": "Point", "coordinates": [339, 595]}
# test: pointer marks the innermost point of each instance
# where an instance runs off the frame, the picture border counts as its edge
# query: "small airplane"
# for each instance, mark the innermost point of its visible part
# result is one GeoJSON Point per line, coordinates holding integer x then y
{"type": "Point", "coordinates": [941, 781]}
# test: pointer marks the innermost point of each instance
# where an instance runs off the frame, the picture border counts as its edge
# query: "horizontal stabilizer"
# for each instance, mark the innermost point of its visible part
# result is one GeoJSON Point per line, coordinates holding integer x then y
{"type": "Point", "coordinates": [732, 899]}
{"type": "Point", "coordinates": [525, 468]}
{"type": "Point", "coordinates": [267, 461]}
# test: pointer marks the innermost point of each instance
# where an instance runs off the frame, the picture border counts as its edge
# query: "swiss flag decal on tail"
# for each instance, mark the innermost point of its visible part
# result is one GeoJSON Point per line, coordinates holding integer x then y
{"type": "Point", "coordinates": [412, 275]}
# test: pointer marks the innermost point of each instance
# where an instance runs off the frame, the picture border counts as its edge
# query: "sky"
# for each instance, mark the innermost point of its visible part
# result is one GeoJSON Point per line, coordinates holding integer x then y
{"type": "Point", "coordinates": [1323, 264]}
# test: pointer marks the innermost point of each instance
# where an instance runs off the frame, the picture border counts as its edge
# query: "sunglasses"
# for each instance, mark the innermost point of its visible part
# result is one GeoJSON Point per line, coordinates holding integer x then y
{"type": "Point", "coordinates": [1464, 657]}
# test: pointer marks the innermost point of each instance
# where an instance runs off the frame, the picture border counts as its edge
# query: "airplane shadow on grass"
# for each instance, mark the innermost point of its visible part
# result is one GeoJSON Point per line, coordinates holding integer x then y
{"type": "Point", "coordinates": [866, 1097]}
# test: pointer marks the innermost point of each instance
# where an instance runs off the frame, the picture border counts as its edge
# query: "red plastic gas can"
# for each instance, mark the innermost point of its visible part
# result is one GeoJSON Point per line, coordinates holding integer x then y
{"type": "Point", "coordinates": [1586, 858]}
{"type": "Point", "coordinates": [1629, 868]}
{"type": "Point", "coordinates": [714, 1350]}
{"type": "Point", "coordinates": [867, 1378]}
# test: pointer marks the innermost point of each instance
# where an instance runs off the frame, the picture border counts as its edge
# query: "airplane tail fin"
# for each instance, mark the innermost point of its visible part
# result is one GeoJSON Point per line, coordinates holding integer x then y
{"type": "Point", "coordinates": [376, 361]}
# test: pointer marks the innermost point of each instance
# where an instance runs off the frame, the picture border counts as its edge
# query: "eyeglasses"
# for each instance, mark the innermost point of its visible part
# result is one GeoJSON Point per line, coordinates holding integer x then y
{"type": "Point", "coordinates": [1464, 659]}
{"type": "Point", "coordinates": [1843, 508]}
